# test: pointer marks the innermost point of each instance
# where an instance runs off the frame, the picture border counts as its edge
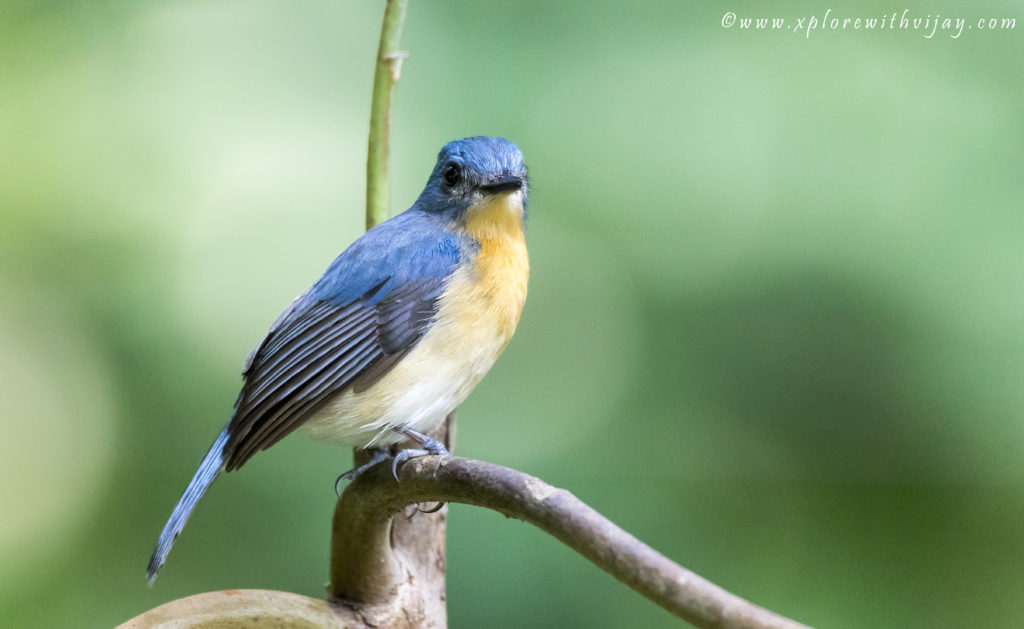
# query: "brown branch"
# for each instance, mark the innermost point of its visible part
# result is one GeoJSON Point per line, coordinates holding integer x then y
{"type": "Point", "coordinates": [245, 608]}
{"type": "Point", "coordinates": [366, 572]}
{"type": "Point", "coordinates": [389, 569]}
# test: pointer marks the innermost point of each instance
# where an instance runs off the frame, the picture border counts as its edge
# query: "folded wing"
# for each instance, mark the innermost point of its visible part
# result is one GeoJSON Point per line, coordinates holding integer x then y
{"type": "Point", "coordinates": [338, 336]}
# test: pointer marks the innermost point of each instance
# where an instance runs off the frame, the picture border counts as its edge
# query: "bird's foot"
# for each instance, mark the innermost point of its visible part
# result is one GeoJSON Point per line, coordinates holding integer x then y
{"type": "Point", "coordinates": [379, 456]}
{"type": "Point", "coordinates": [430, 446]}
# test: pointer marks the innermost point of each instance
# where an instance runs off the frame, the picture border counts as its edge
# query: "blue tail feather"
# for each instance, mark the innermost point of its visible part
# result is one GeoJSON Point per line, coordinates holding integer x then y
{"type": "Point", "coordinates": [208, 470]}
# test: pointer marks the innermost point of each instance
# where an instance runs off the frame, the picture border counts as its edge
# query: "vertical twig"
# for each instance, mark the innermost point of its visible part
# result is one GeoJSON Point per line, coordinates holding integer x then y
{"type": "Point", "coordinates": [389, 66]}
{"type": "Point", "coordinates": [390, 569]}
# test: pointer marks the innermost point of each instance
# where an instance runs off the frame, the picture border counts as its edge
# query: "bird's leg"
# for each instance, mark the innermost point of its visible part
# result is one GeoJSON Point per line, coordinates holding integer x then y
{"type": "Point", "coordinates": [430, 446]}
{"type": "Point", "coordinates": [379, 456]}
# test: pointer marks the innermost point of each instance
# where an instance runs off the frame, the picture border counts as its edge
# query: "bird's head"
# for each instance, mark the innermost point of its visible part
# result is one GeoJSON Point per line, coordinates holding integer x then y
{"type": "Point", "coordinates": [479, 178]}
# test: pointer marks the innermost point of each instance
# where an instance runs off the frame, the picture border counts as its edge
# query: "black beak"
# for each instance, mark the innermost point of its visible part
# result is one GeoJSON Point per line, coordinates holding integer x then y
{"type": "Point", "coordinates": [504, 183]}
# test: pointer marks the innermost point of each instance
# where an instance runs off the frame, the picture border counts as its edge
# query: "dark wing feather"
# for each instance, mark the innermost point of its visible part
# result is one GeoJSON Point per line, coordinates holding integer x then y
{"type": "Point", "coordinates": [317, 350]}
{"type": "Point", "coordinates": [366, 312]}
{"type": "Point", "coordinates": [401, 319]}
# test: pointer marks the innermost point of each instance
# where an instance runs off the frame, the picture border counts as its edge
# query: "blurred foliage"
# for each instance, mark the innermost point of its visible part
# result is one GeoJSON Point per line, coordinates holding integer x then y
{"type": "Point", "coordinates": [774, 330]}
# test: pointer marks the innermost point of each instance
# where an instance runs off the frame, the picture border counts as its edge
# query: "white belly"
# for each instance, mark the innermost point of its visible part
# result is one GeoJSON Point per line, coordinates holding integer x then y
{"type": "Point", "coordinates": [418, 393]}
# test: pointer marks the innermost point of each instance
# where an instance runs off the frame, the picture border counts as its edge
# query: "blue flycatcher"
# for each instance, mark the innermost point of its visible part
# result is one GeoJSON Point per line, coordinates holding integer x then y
{"type": "Point", "coordinates": [396, 332]}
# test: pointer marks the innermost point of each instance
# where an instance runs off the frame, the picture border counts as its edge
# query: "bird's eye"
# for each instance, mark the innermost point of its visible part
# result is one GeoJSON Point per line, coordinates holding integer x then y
{"type": "Point", "coordinates": [452, 175]}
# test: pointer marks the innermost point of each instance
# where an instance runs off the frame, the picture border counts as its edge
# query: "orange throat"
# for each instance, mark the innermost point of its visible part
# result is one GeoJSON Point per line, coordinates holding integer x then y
{"type": "Point", "coordinates": [502, 266]}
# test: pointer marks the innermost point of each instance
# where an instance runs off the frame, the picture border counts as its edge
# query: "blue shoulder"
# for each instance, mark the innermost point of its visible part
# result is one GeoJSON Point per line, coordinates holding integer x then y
{"type": "Point", "coordinates": [414, 246]}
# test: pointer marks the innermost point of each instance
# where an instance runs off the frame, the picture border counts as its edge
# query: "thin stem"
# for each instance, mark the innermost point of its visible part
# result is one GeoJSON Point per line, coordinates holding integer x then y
{"type": "Point", "coordinates": [388, 68]}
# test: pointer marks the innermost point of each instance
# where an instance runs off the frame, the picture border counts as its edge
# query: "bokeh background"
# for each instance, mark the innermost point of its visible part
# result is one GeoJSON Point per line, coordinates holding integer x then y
{"type": "Point", "coordinates": [775, 328]}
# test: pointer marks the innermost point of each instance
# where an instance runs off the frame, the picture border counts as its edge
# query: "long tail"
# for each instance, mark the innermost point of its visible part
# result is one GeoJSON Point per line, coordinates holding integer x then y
{"type": "Point", "coordinates": [208, 470]}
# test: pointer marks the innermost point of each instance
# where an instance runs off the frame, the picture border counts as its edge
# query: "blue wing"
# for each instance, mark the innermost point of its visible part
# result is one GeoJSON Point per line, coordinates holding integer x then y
{"type": "Point", "coordinates": [368, 310]}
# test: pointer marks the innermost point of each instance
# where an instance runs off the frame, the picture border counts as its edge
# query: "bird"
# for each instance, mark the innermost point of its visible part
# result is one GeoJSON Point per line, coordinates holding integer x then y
{"type": "Point", "coordinates": [396, 332]}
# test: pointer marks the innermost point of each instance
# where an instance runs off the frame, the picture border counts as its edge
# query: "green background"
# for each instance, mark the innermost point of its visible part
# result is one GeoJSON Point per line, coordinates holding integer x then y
{"type": "Point", "coordinates": [775, 326]}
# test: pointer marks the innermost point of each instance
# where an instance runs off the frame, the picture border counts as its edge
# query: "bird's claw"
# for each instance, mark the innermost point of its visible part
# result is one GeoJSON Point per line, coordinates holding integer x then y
{"type": "Point", "coordinates": [337, 483]}
{"type": "Point", "coordinates": [430, 446]}
{"type": "Point", "coordinates": [355, 472]}
{"type": "Point", "coordinates": [403, 456]}
{"type": "Point", "coordinates": [439, 506]}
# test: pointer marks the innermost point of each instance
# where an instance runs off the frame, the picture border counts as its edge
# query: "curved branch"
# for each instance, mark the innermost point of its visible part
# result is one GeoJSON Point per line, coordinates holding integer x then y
{"type": "Point", "coordinates": [362, 525]}
{"type": "Point", "coordinates": [246, 608]}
